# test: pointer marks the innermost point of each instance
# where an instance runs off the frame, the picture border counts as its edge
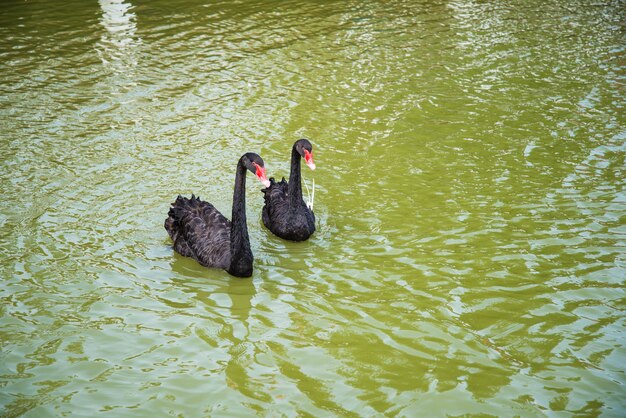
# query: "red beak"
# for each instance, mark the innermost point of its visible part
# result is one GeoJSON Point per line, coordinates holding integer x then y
{"type": "Point", "coordinates": [308, 159]}
{"type": "Point", "coordinates": [260, 173]}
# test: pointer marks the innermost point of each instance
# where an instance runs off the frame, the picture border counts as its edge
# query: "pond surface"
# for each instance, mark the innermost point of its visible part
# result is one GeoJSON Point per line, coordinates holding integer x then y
{"type": "Point", "coordinates": [470, 253]}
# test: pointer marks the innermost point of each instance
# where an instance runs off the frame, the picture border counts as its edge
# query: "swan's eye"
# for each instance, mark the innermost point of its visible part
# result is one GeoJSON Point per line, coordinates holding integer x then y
{"type": "Point", "coordinates": [308, 159]}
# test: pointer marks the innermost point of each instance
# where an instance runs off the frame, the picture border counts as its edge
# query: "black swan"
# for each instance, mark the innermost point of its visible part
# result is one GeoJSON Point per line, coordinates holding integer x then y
{"type": "Point", "coordinates": [284, 212]}
{"type": "Point", "coordinates": [200, 231]}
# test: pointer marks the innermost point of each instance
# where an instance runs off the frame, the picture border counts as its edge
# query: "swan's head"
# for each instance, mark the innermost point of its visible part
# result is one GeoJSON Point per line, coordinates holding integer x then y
{"type": "Point", "coordinates": [305, 149]}
{"type": "Point", "coordinates": [255, 164]}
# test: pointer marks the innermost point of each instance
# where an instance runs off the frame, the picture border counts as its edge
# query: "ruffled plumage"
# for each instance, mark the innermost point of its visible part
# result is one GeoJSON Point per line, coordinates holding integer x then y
{"type": "Point", "coordinates": [200, 231]}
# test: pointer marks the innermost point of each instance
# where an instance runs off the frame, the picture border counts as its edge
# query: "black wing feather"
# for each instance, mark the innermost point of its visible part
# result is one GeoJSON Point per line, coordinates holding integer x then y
{"type": "Point", "coordinates": [295, 224]}
{"type": "Point", "coordinates": [199, 231]}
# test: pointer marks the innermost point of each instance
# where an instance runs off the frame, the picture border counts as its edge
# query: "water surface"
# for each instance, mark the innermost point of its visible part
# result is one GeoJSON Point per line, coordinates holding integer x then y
{"type": "Point", "coordinates": [471, 213]}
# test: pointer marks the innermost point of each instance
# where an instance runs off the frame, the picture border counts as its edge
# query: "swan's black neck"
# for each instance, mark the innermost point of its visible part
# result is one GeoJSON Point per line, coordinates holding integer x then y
{"type": "Point", "coordinates": [240, 254]}
{"type": "Point", "coordinates": [295, 181]}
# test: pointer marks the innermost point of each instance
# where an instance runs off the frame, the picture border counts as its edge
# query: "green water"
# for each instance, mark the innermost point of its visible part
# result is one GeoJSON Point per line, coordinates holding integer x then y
{"type": "Point", "coordinates": [470, 253]}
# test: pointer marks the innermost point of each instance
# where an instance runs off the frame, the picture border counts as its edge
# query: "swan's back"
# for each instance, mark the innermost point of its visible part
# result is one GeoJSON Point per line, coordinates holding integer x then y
{"type": "Point", "coordinates": [276, 202]}
{"type": "Point", "coordinates": [200, 231]}
{"type": "Point", "coordinates": [295, 224]}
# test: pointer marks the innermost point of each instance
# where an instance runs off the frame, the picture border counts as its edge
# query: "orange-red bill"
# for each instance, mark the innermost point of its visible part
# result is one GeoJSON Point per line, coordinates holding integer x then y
{"type": "Point", "coordinates": [260, 173]}
{"type": "Point", "coordinates": [308, 159]}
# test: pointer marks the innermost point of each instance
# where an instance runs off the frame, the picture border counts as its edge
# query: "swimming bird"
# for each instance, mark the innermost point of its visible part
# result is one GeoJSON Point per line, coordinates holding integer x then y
{"type": "Point", "coordinates": [285, 214]}
{"type": "Point", "coordinates": [200, 231]}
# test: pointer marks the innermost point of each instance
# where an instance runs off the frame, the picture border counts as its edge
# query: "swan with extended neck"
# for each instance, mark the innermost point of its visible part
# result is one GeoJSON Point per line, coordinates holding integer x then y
{"type": "Point", "coordinates": [285, 214]}
{"type": "Point", "coordinates": [201, 232]}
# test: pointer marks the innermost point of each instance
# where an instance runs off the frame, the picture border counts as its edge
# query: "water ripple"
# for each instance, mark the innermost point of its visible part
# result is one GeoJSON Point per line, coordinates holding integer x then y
{"type": "Point", "coordinates": [469, 252]}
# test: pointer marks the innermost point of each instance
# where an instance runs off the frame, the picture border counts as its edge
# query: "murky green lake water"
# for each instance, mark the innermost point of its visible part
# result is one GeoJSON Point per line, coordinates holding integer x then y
{"type": "Point", "coordinates": [470, 256]}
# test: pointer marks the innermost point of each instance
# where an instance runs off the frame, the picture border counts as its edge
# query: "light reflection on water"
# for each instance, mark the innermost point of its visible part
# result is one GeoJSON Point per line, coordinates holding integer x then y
{"type": "Point", "coordinates": [469, 256]}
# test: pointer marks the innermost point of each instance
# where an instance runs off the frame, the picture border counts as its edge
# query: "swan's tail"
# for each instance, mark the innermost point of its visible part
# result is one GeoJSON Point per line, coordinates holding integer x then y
{"type": "Point", "coordinates": [180, 207]}
{"type": "Point", "coordinates": [178, 214]}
